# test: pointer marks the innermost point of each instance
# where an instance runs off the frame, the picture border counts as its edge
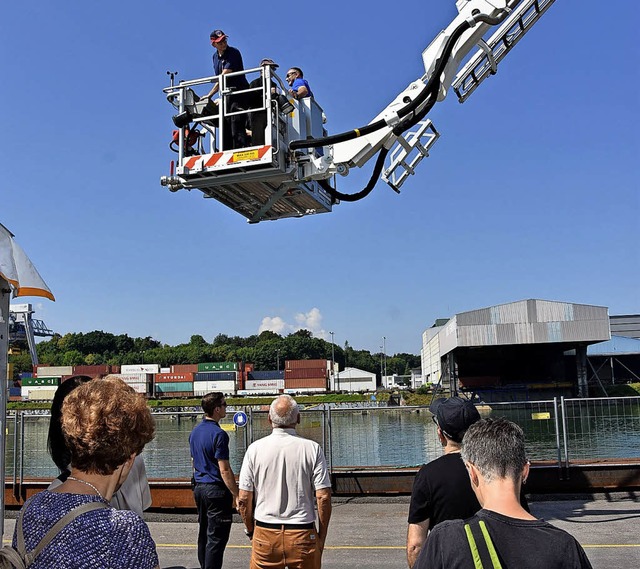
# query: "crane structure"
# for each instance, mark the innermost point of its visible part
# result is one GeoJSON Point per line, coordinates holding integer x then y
{"type": "Point", "coordinates": [23, 328]}
{"type": "Point", "coordinates": [291, 169]}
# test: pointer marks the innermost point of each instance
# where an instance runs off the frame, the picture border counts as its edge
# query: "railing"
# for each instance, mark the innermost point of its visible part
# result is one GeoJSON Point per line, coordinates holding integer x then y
{"type": "Point", "coordinates": [558, 430]}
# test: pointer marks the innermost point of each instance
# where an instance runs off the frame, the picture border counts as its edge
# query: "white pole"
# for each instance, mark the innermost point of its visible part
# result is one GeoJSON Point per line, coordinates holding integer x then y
{"type": "Point", "coordinates": [5, 295]}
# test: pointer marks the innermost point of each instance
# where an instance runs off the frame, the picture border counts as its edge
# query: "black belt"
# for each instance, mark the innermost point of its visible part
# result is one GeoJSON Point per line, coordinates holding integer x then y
{"type": "Point", "coordinates": [310, 525]}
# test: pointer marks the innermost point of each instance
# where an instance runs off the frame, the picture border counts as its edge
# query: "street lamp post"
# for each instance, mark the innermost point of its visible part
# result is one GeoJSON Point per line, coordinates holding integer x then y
{"type": "Point", "coordinates": [381, 369]}
{"type": "Point", "coordinates": [384, 351]}
{"type": "Point", "coordinates": [278, 358]}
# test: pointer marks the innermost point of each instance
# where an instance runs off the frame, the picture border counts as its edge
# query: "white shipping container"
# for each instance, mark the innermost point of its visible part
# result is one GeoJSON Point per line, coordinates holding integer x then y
{"type": "Point", "coordinates": [38, 392]}
{"type": "Point", "coordinates": [200, 388]}
{"type": "Point", "coordinates": [252, 384]}
{"type": "Point", "coordinates": [54, 371]}
{"type": "Point", "coordinates": [136, 377]}
{"type": "Point", "coordinates": [140, 368]}
{"type": "Point", "coordinates": [139, 387]}
{"type": "Point", "coordinates": [257, 392]}
{"type": "Point", "coordinates": [305, 390]}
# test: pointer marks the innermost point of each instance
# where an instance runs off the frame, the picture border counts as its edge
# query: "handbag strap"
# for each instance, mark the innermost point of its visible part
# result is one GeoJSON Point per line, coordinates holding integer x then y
{"type": "Point", "coordinates": [483, 557]}
{"type": "Point", "coordinates": [54, 531]}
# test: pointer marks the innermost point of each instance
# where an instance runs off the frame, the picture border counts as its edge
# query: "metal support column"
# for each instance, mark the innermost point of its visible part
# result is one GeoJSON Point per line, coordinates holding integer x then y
{"type": "Point", "coordinates": [581, 371]}
{"type": "Point", "coordinates": [5, 295]}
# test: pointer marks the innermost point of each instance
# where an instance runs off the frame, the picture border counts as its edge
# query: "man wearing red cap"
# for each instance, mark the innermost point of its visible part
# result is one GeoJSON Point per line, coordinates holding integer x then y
{"type": "Point", "coordinates": [228, 59]}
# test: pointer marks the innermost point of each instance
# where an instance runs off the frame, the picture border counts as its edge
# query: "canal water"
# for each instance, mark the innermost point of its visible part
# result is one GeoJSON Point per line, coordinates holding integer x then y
{"type": "Point", "coordinates": [386, 437]}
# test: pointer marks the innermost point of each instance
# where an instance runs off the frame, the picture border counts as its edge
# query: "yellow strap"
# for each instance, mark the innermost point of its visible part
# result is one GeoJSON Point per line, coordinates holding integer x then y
{"type": "Point", "coordinates": [357, 131]}
{"type": "Point", "coordinates": [492, 550]}
{"type": "Point", "coordinates": [477, 562]}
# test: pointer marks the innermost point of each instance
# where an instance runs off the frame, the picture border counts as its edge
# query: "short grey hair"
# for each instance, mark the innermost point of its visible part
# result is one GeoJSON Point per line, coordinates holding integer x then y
{"type": "Point", "coordinates": [496, 448]}
{"type": "Point", "coordinates": [284, 411]}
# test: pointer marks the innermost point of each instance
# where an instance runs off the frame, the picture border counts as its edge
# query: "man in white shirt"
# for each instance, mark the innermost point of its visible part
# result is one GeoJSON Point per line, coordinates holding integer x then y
{"type": "Point", "coordinates": [279, 476]}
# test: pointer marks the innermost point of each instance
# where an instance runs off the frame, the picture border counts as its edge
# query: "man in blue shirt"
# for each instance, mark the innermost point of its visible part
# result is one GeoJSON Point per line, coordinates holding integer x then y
{"type": "Point", "coordinates": [299, 85]}
{"type": "Point", "coordinates": [228, 59]}
{"type": "Point", "coordinates": [215, 489]}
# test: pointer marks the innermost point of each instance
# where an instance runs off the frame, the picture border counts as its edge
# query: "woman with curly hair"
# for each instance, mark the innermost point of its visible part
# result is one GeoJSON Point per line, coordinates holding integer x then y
{"type": "Point", "coordinates": [105, 426]}
{"type": "Point", "coordinates": [134, 494]}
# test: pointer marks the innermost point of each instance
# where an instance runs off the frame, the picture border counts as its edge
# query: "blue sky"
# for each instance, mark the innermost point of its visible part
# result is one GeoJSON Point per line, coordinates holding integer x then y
{"type": "Point", "coordinates": [531, 191]}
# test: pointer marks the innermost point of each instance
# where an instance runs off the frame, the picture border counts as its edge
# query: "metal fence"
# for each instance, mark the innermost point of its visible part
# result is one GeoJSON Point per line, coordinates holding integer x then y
{"type": "Point", "coordinates": [559, 430]}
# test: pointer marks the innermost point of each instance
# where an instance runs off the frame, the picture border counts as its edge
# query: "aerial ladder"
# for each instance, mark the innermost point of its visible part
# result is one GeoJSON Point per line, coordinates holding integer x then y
{"type": "Point", "coordinates": [23, 328]}
{"type": "Point", "coordinates": [292, 172]}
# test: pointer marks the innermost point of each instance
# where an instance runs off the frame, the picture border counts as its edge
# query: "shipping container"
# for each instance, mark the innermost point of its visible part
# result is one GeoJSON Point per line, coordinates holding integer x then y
{"type": "Point", "coordinates": [215, 376]}
{"type": "Point", "coordinates": [305, 373]}
{"type": "Point", "coordinates": [303, 364]}
{"type": "Point", "coordinates": [165, 370]}
{"type": "Point", "coordinates": [300, 390]}
{"type": "Point", "coordinates": [38, 392]}
{"type": "Point", "coordinates": [140, 368]}
{"type": "Point", "coordinates": [136, 377]}
{"type": "Point", "coordinates": [140, 387]}
{"type": "Point", "coordinates": [173, 387]}
{"type": "Point", "coordinates": [201, 388]}
{"type": "Point", "coordinates": [184, 368]}
{"type": "Point", "coordinates": [91, 370]}
{"type": "Point", "coordinates": [273, 374]}
{"type": "Point", "coordinates": [174, 377]}
{"type": "Point", "coordinates": [318, 383]}
{"type": "Point", "coordinates": [15, 392]}
{"type": "Point", "coordinates": [259, 392]}
{"type": "Point", "coordinates": [49, 371]}
{"type": "Point", "coordinates": [39, 381]}
{"type": "Point", "coordinates": [264, 384]}
{"type": "Point", "coordinates": [25, 374]}
{"type": "Point", "coordinates": [218, 366]}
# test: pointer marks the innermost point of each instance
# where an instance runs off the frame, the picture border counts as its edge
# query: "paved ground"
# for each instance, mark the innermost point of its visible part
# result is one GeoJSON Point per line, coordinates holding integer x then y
{"type": "Point", "coordinates": [371, 534]}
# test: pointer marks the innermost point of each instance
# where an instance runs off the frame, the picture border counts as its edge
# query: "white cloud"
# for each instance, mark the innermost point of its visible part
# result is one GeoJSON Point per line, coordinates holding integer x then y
{"type": "Point", "coordinates": [311, 321]}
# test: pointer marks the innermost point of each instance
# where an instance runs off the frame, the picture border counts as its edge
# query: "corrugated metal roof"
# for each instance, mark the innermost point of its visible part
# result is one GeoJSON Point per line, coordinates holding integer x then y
{"type": "Point", "coordinates": [617, 346]}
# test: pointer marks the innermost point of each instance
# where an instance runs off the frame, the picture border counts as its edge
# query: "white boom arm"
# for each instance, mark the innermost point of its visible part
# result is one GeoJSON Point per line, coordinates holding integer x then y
{"type": "Point", "coordinates": [514, 17]}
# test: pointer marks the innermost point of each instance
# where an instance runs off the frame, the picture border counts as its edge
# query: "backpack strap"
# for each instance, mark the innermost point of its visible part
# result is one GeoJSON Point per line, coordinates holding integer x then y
{"type": "Point", "coordinates": [54, 531]}
{"type": "Point", "coordinates": [484, 554]}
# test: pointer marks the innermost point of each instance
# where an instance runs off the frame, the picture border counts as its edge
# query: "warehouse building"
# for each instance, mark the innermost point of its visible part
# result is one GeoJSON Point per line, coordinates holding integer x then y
{"type": "Point", "coordinates": [352, 379]}
{"type": "Point", "coordinates": [509, 351]}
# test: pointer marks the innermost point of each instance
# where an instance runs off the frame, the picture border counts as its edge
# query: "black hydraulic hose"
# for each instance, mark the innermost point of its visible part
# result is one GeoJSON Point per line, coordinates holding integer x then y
{"type": "Point", "coordinates": [412, 105]}
{"type": "Point", "coordinates": [429, 92]}
{"type": "Point", "coordinates": [336, 195]}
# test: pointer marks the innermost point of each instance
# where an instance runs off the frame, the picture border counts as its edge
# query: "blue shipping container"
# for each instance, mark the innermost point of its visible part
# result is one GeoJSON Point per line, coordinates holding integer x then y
{"type": "Point", "coordinates": [215, 376]}
{"type": "Point", "coordinates": [261, 375]}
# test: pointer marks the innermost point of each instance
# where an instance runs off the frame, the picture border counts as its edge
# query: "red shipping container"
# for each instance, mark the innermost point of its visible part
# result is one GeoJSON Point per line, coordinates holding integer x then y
{"type": "Point", "coordinates": [92, 370]}
{"type": "Point", "coordinates": [91, 375]}
{"type": "Point", "coordinates": [318, 382]}
{"type": "Point", "coordinates": [184, 368]}
{"type": "Point", "coordinates": [304, 364]}
{"type": "Point", "coordinates": [173, 377]}
{"type": "Point", "coordinates": [115, 369]}
{"type": "Point", "coordinates": [305, 373]}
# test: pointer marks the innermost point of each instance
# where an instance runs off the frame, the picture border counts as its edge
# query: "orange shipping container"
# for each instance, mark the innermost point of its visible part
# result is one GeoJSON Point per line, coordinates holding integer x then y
{"type": "Point", "coordinates": [305, 373]}
{"type": "Point", "coordinates": [318, 382]}
{"type": "Point", "coordinates": [173, 377]}
{"type": "Point", "coordinates": [304, 364]}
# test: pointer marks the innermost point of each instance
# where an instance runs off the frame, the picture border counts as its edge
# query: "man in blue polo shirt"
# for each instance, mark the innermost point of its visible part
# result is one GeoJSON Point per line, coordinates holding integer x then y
{"type": "Point", "coordinates": [228, 59]}
{"type": "Point", "coordinates": [215, 489]}
{"type": "Point", "coordinates": [299, 86]}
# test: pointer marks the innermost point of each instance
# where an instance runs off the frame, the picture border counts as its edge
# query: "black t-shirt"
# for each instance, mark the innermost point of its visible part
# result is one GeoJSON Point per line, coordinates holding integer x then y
{"type": "Point", "coordinates": [520, 544]}
{"type": "Point", "coordinates": [442, 491]}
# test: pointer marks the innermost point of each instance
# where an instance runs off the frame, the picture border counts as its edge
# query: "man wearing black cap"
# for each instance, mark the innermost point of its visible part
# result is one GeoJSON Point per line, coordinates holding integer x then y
{"type": "Point", "coordinates": [259, 118]}
{"type": "Point", "coordinates": [228, 59]}
{"type": "Point", "coordinates": [441, 490]}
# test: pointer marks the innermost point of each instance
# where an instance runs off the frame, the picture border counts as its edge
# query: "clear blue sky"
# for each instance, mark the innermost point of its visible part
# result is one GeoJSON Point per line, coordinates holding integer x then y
{"type": "Point", "coordinates": [531, 191]}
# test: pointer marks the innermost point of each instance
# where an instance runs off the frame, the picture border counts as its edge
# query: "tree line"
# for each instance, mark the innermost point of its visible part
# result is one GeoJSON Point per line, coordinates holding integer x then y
{"type": "Point", "coordinates": [267, 351]}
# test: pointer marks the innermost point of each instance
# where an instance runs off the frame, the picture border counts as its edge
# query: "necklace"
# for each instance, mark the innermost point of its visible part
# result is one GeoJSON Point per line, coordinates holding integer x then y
{"type": "Point", "coordinates": [86, 483]}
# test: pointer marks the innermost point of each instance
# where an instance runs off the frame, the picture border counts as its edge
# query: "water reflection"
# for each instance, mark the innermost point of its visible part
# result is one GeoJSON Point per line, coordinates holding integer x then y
{"type": "Point", "coordinates": [392, 437]}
